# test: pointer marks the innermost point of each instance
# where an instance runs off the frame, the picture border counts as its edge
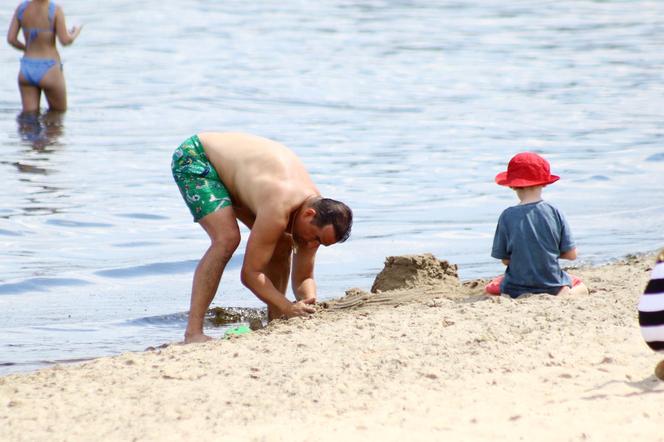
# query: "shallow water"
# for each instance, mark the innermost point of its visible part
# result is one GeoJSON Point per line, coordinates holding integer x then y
{"type": "Point", "coordinates": [406, 110]}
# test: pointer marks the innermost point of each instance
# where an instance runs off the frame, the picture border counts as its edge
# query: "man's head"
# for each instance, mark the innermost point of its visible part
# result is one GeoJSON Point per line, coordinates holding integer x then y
{"type": "Point", "coordinates": [323, 221]}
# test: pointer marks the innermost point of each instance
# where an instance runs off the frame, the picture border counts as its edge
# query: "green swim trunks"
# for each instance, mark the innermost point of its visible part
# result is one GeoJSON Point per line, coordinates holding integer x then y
{"type": "Point", "coordinates": [199, 183]}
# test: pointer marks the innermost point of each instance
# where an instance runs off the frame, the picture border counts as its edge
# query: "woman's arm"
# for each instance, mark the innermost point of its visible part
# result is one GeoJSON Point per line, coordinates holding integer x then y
{"type": "Point", "coordinates": [12, 33]}
{"type": "Point", "coordinates": [65, 37]}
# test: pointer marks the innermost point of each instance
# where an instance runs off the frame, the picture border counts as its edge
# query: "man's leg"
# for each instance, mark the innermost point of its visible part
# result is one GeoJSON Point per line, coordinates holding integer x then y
{"type": "Point", "coordinates": [278, 271]}
{"type": "Point", "coordinates": [221, 226]}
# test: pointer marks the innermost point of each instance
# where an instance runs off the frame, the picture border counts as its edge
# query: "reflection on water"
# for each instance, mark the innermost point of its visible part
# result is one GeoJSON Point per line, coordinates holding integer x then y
{"type": "Point", "coordinates": [34, 192]}
{"type": "Point", "coordinates": [40, 130]}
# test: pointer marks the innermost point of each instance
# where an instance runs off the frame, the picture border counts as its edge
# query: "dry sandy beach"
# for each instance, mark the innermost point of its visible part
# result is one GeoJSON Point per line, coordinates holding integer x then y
{"type": "Point", "coordinates": [433, 359]}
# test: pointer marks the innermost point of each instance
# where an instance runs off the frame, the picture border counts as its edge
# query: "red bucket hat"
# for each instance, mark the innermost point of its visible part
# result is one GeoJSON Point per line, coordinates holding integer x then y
{"type": "Point", "coordinates": [526, 169]}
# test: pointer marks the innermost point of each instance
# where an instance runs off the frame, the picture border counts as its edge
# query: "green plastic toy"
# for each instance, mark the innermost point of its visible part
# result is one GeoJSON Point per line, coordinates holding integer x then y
{"type": "Point", "coordinates": [237, 331]}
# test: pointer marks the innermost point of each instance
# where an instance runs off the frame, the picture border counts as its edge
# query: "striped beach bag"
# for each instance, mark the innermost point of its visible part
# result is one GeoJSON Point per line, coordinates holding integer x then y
{"type": "Point", "coordinates": [651, 307]}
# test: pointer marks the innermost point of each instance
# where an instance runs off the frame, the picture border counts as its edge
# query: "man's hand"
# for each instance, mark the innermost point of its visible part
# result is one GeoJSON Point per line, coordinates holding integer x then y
{"type": "Point", "coordinates": [301, 308]}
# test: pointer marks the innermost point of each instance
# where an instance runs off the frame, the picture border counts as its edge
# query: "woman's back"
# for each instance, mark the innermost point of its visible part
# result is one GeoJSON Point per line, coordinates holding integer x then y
{"type": "Point", "coordinates": [37, 19]}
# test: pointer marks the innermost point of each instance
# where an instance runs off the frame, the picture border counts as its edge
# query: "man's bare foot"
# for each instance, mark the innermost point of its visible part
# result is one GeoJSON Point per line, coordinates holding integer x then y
{"type": "Point", "coordinates": [193, 339]}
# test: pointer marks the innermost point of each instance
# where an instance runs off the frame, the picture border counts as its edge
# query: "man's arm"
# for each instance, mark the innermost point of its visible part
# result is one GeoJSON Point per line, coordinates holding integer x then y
{"type": "Point", "coordinates": [265, 233]}
{"type": "Point", "coordinates": [302, 276]}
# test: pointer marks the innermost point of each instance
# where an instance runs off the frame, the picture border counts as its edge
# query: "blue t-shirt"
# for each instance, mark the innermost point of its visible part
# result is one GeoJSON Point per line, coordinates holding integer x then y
{"type": "Point", "coordinates": [532, 236]}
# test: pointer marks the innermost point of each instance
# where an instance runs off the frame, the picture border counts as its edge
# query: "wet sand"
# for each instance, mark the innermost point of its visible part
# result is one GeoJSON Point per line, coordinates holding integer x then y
{"type": "Point", "coordinates": [426, 357]}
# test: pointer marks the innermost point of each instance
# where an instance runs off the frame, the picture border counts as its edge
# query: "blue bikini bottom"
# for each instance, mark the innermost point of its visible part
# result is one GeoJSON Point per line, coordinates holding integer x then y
{"type": "Point", "coordinates": [34, 69]}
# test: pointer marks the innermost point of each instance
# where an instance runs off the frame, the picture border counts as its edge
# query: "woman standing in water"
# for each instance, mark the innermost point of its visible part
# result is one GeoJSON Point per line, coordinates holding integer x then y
{"type": "Point", "coordinates": [41, 68]}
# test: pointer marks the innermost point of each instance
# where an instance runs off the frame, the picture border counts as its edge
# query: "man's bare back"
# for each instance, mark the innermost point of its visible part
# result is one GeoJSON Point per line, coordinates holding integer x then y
{"type": "Point", "coordinates": [255, 170]}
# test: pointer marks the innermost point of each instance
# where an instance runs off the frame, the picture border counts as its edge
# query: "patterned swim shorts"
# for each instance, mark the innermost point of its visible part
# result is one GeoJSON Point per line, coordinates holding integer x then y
{"type": "Point", "coordinates": [199, 183]}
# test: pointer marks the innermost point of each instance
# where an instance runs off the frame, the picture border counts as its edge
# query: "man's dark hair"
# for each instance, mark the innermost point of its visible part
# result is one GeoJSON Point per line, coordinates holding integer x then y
{"type": "Point", "coordinates": [329, 211]}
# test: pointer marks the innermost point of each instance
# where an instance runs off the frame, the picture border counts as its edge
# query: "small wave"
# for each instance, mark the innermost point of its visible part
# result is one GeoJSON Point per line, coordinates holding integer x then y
{"type": "Point", "coordinates": [67, 328]}
{"type": "Point", "coordinates": [39, 284]}
{"type": "Point", "coordinates": [157, 268]}
{"type": "Point", "coordinates": [9, 233]}
{"type": "Point", "coordinates": [142, 216]}
{"type": "Point", "coordinates": [136, 244]}
{"type": "Point", "coordinates": [216, 316]}
{"type": "Point", "coordinates": [656, 157]}
{"type": "Point", "coordinates": [221, 316]}
{"type": "Point", "coordinates": [160, 268]}
{"type": "Point", "coordinates": [69, 223]}
{"type": "Point", "coordinates": [160, 320]}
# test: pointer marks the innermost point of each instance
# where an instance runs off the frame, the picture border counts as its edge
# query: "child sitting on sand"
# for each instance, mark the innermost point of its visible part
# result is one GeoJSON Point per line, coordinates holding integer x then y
{"type": "Point", "coordinates": [533, 235]}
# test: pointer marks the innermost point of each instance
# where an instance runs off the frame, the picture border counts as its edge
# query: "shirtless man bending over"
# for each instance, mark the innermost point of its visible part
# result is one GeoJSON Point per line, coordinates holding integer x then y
{"type": "Point", "coordinates": [225, 177]}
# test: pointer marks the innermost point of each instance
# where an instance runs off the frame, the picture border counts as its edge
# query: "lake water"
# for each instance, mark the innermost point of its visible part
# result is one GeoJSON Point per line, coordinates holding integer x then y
{"type": "Point", "coordinates": [405, 110]}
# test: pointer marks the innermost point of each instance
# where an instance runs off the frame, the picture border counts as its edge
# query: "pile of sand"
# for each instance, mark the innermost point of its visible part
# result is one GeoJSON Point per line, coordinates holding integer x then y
{"type": "Point", "coordinates": [404, 279]}
{"type": "Point", "coordinates": [405, 272]}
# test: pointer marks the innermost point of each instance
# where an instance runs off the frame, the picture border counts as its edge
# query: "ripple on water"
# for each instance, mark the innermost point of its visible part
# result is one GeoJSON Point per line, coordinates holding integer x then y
{"type": "Point", "coordinates": [136, 244]}
{"type": "Point", "coordinates": [157, 268]}
{"type": "Point", "coordinates": [39, 285]}
{"type": "Point", "coordinates": [656, 157]}
{"type": "Point", "coordinates": [70, 223]}
{"type": "Point", "coordinates": [216, 316]}
{"type": "Point", "coordinates": [10, 233]}
{"type": "Point", "coordinates": [146, 216]}
{"type": "Point", "coordinates": [160, 320]}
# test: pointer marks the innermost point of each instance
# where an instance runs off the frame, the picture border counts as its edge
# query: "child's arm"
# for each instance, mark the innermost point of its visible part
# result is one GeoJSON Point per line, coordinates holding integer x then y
{"type": "Point", "coordinates": [500, 249]}
{"type": "Point", "coordinates": [566, 240]}
{"type": "Point", "coordinates": [570, 254]}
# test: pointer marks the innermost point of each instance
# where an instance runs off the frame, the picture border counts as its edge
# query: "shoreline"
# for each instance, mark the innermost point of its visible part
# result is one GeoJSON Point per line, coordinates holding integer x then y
{"type": "Point", "coordinates": [435, 358]}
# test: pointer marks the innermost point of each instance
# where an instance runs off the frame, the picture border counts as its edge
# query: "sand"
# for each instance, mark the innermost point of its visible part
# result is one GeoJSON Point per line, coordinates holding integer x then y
{"type": "Point", "coordinates": [426, 357]}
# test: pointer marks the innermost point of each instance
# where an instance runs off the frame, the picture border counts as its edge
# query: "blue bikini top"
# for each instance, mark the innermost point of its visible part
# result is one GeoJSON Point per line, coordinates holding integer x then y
{"type": "Point", "coordinates": [33, 32]}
